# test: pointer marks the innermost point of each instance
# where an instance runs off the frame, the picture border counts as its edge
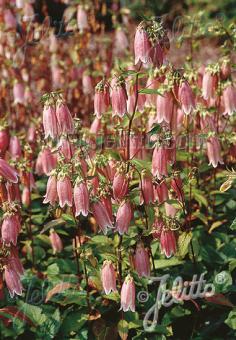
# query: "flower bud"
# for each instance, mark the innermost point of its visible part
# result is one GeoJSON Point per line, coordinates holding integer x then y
{"type": "Point", "coordinates": [56, 242]}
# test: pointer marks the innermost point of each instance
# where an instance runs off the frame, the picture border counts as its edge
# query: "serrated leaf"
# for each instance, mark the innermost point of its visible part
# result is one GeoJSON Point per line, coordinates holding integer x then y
{"type": "Point", "coordinates": [183, 244]}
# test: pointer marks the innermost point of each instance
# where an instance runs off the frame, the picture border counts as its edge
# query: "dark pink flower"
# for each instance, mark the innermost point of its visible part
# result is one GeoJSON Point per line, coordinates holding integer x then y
{"type": "Point", "coordinates": [120, 185]}
{"type": "Point", "coordinates": [13, 281]}
{"type": "Point", "coordinates": [7, 172]}
{"type": "Point", "coordinates": [146, 189]}
{"type": "Point", "coordinates": [81, 199]}
{"type": "Point", "coordinates": [19, 93]}
{"type": "Point", "coordinates": [127, 295]}
{"type": "Point", "coordinates": [177, 186]}
{"type": "Point", "coordinates": [108, 277]}
{"type": "Point", "coordinates": [4, 141]}
{"type": "Point", "coordinates": [161, 192]}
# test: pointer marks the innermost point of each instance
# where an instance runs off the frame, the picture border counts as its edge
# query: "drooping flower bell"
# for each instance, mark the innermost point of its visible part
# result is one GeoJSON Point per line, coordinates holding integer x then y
{"type": "Point", "coordinates": [48, 161]}
{"type": "Point", "coordinates": [159, 162]}
{"type": "Point", "coordinates": [123, 217]}
{"type": "Point", "coordinates": [10, 227]}
{"type": "Point", "coordinates": [142, 46]}
{"type": "Point", "coordinates": [51, 192]}
{"type": "Point", "coordinates": [209, 84]}
{"type": "Point", "coordinates": [87, 84]}
{"type": "Point", "coordinates": [120, 185]}
{"type": "Point", "coordinates": [64, 118]}
{"type": "Point", "coordinates": [168, 242]}
{"type": "Point", "coordinates": [4, 140]}
{"type": "Point", "coordinates": [7, 172]}
{"type": "Point", "coordinates": [164, 107]}
{"type": "Point", "coordinates": [19, 93]}
{"type": "Point", "coordinates": [13, 282]}
{"type": "Point", "coordinates": [56, 242]}
{"type": "Point", "coordinates": [146, 189]}
{"type": "Point", "coordinates": [81, 198]}
{"type": "Point", "coordinates": [108, 277]}
{"type": "Point", "coordinates": [229, 99]}
{"type": "Point", "coordinates": [101, 98]}
{"type": "Point", "coordinates": [142, 261]}
{"type": "Point", "coordinates": [15, 148]}
{"type": "Point", "coordinates": [50, 121]}
{"type": "Point", "coordinates": [128, 295]}
{"type": "Point", "coordinates": [118, 97]}
{"type": "Point", "coordinates": [213, 151]}
{"type": "Point", "coordinates": [101, 216]}
{"type": "Point", "coordinates": [186, 97]}
{"type": "Point", "coordinates": [161, 192]}
{"type": "Point", "coordinates": [64, 191]}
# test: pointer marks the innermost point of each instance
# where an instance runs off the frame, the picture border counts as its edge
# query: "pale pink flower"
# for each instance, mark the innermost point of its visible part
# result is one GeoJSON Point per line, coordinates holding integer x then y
{"type": "Point", "coordinates": [142, 261]}
{"type": "Point", "coordinates": [142, 46]}
{"type": "Point", "coordinates": [186, 97]}
{"type": "Point", "coordinates": [101, 99]}
{"type": "Point", "coordinates": [123, 217]}
{"type": "Point", "coordinates": [101, 216]}
{"type": "Point", "coordinates": [48, 161]}
{"type": "Point", "coordinates": [118, 97]}
{"type": "Point", "coordinates": [164, 107]}
{"type": "Point", "coordinates": [50, 122]}
{"type": "Point", "coordinates": [15, 148]}
{"type": "Point", "coordinates": [209, 83]}
{"type": "Point", "coordinates": [56, 242]}
{"type": "Point", "coordinates": [87, 84]}
{"type": "Point", "coordinates": [95, 126]}
{"type": "Point", "coordinates": [168, 242]}
{"type": "Point", "coordinates": [9, 19]}
{"type": "Point", "coordinates": [170, 210]}
{"type": "Point", "coordinates": [64, 191]}
{"type": "Point", "coordinates": [13, 281]}
{"type": "Point", "coordinates": [128, 295]}
{"type": "Point", "coordinates": [19, 93]}
{"type": "Point", "coordinates": [108, 277]}
{"type": "Point", "coordinates": [82, 19]}
{"type": "Point", "coordinates": [64, 118]}
{"type": "Point", "coordinates": [81, 199]}
{"type": "Point", "coordinates": [10, 228]}
{"type": "Point", "coordinates": [51, 193]}
{"type": "Point", "coordinates": [159, 162]}
{"type": "Point", "coordinates": [229, 100]}
{"type": "Point", "coordinates": [213, 151]}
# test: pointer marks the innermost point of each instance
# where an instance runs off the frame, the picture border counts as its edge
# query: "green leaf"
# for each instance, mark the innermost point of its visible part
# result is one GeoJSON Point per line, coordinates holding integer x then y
{"type": "Point", "coordinates": [168, 263]}
{"type": "Point", "coordinates": [150, 91]}
{"type": "Point", "coordinates": [123, 329]}
{"type": "Point", "coordinates": [231, 320]}
{"type": "Point", "coordinates": [183, 244]}
{"type": "Point", "coordinates": [53, 270]}
{"type": "Point", "coordinates": [233, 225]}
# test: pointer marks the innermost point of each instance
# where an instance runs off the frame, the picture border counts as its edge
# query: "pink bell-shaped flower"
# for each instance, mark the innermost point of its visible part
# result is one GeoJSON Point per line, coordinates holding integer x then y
{"type": "Point", "coordinates": [82, 19]}
{"type": "Point", "coordinates": [120, 185]}
{"type": "Point", "coordinates": [19, 93]}
{"type": "Point", "coordinates": [164, 107]}
{"type": "Point", "coordinates": [229, 100]}
{"type": "Point", "coordinates": [51, 193]}
{"type": "Point", "coordinates": [10, 228]}
{"type": "Point", "coordinates": [64, 118]}
{"type": "Point", "coordinates": [118, 97]}
{"type": "Point", "coordinates": [15, 148]}
{"type": "Point", "coordinates": [161, 192]}
{"type": "Point", "coordinates": [168, 242]}
{"type": "Point", "coordinates": [13, 281]}
{"type": "Point", "coordinates": [159, 162]}
{"type": "Point", "coordinates": [56, 242]}
{"type": "Point", "coordinates": [146, 189]}
{"type": "Point", "coordinates": [101, 99]}
{"type": "Point", "coordinates": [101, 216]}
{"type": "Point", "coordinates": [128, 295]}
{"type": "Point", "coordinates": [81, 198]}
{"type": "Point", "coordinates": [7, 172]}
{"type": "Point", "coordinates": [186, 97]}
{"type": "Point", "coordinates": [142, 261]}
{"type": "Point", "coordinates": [213, 151]}
{"type": "Point", "coordinates": [48, 161]}
{"type": "Point", "coordinates": [4, 140]}
{"type": "Point", "coordinates": [108, 277]}
{"type": "Point", "coordinates": [50, 122]}
{"type": "Point", "coordinates": [142, 46]}
{"type": "Point", "coordinates": [123, 217]}
{"type": "Point", "coordinates": [64, 191]}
